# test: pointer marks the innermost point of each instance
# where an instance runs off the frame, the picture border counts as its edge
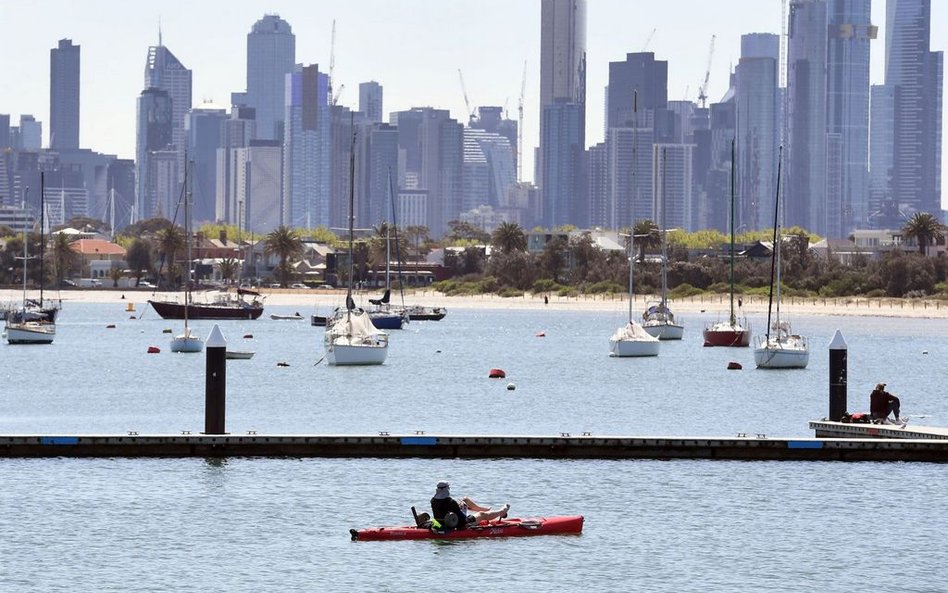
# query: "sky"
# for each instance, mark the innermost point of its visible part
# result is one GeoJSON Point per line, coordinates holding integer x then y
{"type": "Point", "coordinates": [413, 48]}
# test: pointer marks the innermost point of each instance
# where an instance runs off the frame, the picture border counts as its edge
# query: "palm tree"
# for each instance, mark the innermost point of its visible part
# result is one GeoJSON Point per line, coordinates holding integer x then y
{"type": "Point", "coordinates": [925, 228]}
{"type": "Point", "coordinates": [509, 238]}
{"type": "Point", "coordinates": [64, 258]}
{"type": "Point", "coordinates": [229, 267]}
{"type": "Point", "coordinates": [647, 236]}
{"type": "Point", "coordinates": [286, 244]}
{"type": "Point", "coordinates": [171, 240]}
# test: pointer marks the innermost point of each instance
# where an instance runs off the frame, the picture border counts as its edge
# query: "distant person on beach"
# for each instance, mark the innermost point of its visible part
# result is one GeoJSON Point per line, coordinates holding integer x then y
{"type": "Point", "coordinates": [881, 404]}
{"type": "Point", "coordinates": [466, 510]}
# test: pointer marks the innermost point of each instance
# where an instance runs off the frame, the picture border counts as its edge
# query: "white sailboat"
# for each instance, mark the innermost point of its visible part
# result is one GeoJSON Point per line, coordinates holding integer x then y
{"type": "Point", "coordinates": [658, 319]}
{"type": "Point", "coordinates": [632, 339]}
{"type": "Point", "coordinates": [779, 348]}
{"type": "Point", "coordinates": [351, 339]}
{"type": "Point", "coordinates": [188, 341]}
{"type": "Point", "coordinates": [25, 325]}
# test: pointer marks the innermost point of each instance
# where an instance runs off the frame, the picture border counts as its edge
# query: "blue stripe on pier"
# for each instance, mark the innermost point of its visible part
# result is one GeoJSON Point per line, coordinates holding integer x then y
{"type": "Point", "coordinates": [425, 441]}
{"type": "Point", "coordinates": [804, 444]}
{"type": "Point", "coordinates": [59, 440]}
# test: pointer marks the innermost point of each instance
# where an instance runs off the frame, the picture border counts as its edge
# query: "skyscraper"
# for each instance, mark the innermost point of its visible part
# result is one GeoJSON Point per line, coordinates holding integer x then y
{"type": "Point", "coordinates": [805, 199]}
{"type": "Point", "coordinates": [271, 55]}
{"type": "Point", "coordinates": [164, 71]}
{"type": "Point", "coordinates": [756, 87]}
{"type": "Point", "coordinates": [847, 74]}
{"type": "Point", "coordinates": [306, 148]}
{"type": "Point", "coordinates": [205, 126]}
{"type": "Point", "coordinates": [370, 101]}
{"type": "Point", "coordinates": [914, 74]}
{"type": "Point", "coordinates": [64, 95]}
{"type": "Point", "coordinates": [563, 105]}
{"type": "Point", "coordinates": [153, 136]}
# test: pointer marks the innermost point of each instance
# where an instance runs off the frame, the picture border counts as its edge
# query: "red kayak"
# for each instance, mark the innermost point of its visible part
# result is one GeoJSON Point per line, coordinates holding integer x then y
{"type": "Point", "coordinates": [498, 528]}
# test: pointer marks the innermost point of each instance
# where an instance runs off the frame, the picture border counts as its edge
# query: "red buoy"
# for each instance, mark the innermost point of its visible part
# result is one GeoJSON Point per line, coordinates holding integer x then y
{"type": "Point", "coordinates": [154, 350]}
{"type": "Point", "coordinates": [496, 374]}
{"type": "Point", "coordinates": [734, 366]}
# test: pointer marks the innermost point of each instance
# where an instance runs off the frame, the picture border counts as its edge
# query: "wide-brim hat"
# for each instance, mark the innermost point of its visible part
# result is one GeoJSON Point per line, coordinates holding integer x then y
{"type": "Point", "coordinates": [443, 490]}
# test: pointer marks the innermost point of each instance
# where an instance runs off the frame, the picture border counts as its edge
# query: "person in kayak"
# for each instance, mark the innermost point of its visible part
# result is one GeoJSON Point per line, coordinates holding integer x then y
{"type": "Point", "coordinates": [881, 404]}
{"type": "Point", "coordinates": [467, 511]}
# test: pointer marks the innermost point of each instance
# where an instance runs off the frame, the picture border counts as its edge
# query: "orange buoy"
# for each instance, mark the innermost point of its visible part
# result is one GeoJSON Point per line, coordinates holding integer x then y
{"type": "Point", "coordinates": [496, 374]}
{"type": "Point", "coordinates": [154, 350]}
{"type": "Point", "coordinates": [734, 366]}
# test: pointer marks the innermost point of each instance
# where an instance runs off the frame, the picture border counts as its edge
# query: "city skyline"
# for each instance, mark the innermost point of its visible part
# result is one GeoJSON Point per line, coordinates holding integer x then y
{"type": "Point", "coordinates": [489, 45]}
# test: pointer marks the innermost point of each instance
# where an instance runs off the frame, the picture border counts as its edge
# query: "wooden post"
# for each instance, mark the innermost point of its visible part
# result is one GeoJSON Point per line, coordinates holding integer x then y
{"type": "Point", "coordinates": [838, 351]}
{"type": "Point", "coordinates": [215, 382]}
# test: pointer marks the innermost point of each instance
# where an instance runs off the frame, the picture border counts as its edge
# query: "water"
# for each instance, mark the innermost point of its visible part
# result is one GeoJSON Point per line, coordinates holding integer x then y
{"type": "Point", "coordinates": [281, 524]}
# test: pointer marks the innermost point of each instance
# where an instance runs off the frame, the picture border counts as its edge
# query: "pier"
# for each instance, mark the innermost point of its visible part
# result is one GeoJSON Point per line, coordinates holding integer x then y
{"type": "Point", "coordinates": [563, 446]}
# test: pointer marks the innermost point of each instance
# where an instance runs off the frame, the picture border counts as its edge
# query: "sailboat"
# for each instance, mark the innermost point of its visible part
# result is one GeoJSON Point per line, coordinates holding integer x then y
{"type": "Point", "coordinates": [632, 339]}
{"type": "Point", "coordinates": [351, 339]}
{"type": "Point", "coordinates": [187, 341]}
{"type": "Point", "coordinates": [658, 319]}
{"type": "Point", "coordinates": [23, 326]}
{"type": "Point", "coordinates": [779, 348]}
{"type": "Point", "coordinates": [735, 331]}
{"type": "Point", "coordinates": [385, 316]}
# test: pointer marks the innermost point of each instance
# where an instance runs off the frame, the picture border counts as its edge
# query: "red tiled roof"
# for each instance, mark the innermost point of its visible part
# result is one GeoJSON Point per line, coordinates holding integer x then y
{"type": "Point", "coordinates": [97, 247]}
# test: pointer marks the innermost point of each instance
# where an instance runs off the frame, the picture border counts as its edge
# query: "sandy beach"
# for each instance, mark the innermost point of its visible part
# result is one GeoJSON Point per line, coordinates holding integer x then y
{"type": "Point", "coordinates": [309, 301]}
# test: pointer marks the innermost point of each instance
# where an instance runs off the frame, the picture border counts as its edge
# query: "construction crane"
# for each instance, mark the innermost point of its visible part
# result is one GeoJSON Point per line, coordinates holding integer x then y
{"type": "Point", "coordinates": [332, 65]}
{"type": "Point", "coordinates": [471, 117]}
{"type": "Point", "coordinates": [703, 89]}
{"type": "Point", "coordinates": [523, 88]}
{"type": "Point", "coordinates": [648, 40]}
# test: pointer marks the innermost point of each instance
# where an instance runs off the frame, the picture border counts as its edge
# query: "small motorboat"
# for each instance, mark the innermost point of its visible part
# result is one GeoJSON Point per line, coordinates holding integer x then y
{"type": "Point", "coordinates": [572, 524]}
{"type": "Point", "coordinates": [239, 354]}
{"type": "Point", "coordinates": [294, 317]}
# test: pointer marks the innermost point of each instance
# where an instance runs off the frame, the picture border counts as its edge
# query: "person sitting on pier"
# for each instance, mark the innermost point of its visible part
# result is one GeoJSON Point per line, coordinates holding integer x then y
{"type": "Point", "coordinates": [881, 404]}
{"type": "Point", "coordinates": [465, 510]}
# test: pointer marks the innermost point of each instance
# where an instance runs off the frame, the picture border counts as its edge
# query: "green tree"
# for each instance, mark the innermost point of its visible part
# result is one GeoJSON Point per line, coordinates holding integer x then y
{"type": "Point", "coordinates": [138, 257]}
{"type": "Point", "coordinates": [229, 268]}
{"type": "Point", "coordinates": [115, 274]}
{"type": "Point", "coordinates": [925, 229]}
{"type": "Point", "coordinates": [63, 257]}
{"type": "Point", "coordinates": [509, 238]}
{"type": "Point", "coordinates": [286, 244]}
{"type": "Point", "coordinates": [647, 236]}
{"type": "Point", "coordinates": [418, 237]}
{"type": "Point", "coordinates": [465, 233]}
{"type": "Point", "coordinates": [586, 257]}
{"type": "Point", "coordinates": [553, 260]}
{"type": "Point", "coordinates": [170, 242]}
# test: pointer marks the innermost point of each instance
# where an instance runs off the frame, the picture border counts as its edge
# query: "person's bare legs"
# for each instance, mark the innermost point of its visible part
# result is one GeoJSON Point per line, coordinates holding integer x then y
{"type": "Point", "coordinates": [490, 514]}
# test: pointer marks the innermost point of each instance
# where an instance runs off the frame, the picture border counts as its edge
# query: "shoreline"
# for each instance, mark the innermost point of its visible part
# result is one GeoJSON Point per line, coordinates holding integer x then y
{"type": "Point", "coordinates": [322, 299]}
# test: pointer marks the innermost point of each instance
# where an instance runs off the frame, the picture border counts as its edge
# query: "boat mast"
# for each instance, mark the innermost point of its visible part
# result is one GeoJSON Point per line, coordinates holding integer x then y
{"type": "Point", "coordinates": [42, 233]}
{"type": "Point", "coordinates": [398, 253]}
{"type": "Point", "coordinates": [26, 192]}
{"type": "Point", "coordinates": [349, 301]}
{"type": "Point", "coordinates": [187, 236]}
{"type": "Point", "coordinates": [775, 254]}
{"type": "Point", "coordinates": [635, 125]}
{"type": "Point", "coordinates": [664, 239]}
{"type": "Point", "coordinates": [733, 318]}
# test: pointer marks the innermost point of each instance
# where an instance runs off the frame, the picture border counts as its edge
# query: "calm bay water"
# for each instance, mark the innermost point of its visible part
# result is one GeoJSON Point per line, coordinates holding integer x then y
{"type": "Point", "coordinates": [281, 524]}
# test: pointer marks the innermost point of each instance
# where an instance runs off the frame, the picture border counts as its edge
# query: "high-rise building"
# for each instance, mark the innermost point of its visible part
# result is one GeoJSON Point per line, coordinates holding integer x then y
{"type": "Point", "coordinates": [370, 101]}
{"type": "Point", "coordinates": [914, 74]}
{"type": "Point", "coordinates": [881, 146]}
{"type": "Point", "coordinates": [307, 149]}
{"type": "Point", "coordinates": [597, 182]}
{"type": "Point", "coordinates": [673, 185]}
{"type": "Point", "coordinates": [433, 146]}
{"type": "Point", "coordinates": [489, 169]}
{"type": "Point", "coordinates": [847, 74]}
{"type": "Point", "coordinates": [805, 198]}
{"type": "Point", "coordinates": [756, 100]}
{"type": "Point", "coordinates": [164, 71]}
{"type": "Point", "coordinates": [377, 178]}
{"type": "Point", "coordinates": [563, 104]}
{"type": "Point", "coordinates": [205, 128]}
{"type": "Point", "coordinates": [256, 188]}
{"type": "Point", "coordinates": [271, 55]}
{"type": "Point", "coordinates": [29, 134]}
{"type": "Point", "coordinates": [153, 135]}
{"type": "Point", "coordinates": [64, 95]}
{"type": "Point", "coordinates": [639, 82]}
{"type": "Point", "coordinates": [237, 131]}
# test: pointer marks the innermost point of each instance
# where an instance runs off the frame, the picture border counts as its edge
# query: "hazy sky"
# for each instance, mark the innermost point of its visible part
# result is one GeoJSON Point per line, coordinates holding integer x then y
{"type": "Point", "coordinates": [414, 48]}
